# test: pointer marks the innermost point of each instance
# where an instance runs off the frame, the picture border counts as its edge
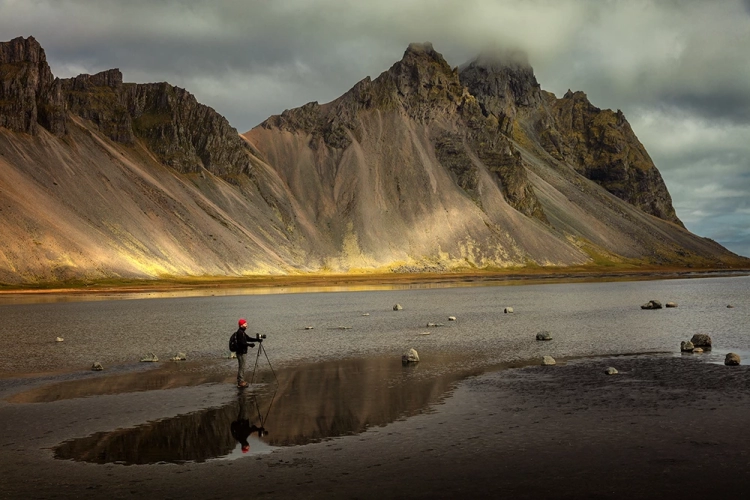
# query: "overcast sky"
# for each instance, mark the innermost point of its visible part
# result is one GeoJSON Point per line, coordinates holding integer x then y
{"type": "Point", "coordinates": [678, 69]}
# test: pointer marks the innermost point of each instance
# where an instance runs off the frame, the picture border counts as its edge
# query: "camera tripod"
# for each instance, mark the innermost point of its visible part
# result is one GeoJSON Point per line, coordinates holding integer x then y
{"type": "Point", "coordinates": [259, 339]}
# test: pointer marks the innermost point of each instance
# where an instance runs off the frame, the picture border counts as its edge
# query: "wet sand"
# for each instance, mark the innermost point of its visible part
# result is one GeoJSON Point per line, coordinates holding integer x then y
{"type": "Point", "coordinates": [665, 427]}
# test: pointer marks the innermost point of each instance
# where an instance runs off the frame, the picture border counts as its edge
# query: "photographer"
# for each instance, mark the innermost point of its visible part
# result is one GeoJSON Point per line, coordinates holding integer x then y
{"type": "Point", "coordinates": [243, 342]}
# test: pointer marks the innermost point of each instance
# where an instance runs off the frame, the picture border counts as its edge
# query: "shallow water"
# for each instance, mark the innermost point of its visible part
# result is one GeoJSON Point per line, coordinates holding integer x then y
{"type": "Point", "coordinates": [583, 318]}
{"type": "Point", "coordinates": [344, 375]}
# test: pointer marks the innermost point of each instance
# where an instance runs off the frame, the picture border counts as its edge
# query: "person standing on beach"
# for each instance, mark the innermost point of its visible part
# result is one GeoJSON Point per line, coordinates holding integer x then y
{"type": "Point", "coordinates": [242, 344]}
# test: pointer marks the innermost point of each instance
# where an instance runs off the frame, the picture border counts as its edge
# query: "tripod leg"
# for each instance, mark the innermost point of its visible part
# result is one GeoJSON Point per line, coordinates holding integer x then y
{"type": "Point", "coordinates": [269, 363]}
{"type": "Point", "coordinates": [256, 363]}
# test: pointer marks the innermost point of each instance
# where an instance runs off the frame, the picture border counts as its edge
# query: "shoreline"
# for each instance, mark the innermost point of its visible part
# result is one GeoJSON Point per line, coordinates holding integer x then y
{"type": "Point", "coordinates": [352, 282]}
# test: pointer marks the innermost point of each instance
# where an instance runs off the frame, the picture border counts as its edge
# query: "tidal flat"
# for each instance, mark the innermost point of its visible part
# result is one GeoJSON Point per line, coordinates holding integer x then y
{"type": "Point", "coordinates": [478, 415]}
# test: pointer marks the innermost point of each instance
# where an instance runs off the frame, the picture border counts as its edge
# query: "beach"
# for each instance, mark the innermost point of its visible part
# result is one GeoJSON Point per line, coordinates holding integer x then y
{"type": "Point", "coordinates": [478, 416]}
{"type": "Point", "coordinates": [664, 427]}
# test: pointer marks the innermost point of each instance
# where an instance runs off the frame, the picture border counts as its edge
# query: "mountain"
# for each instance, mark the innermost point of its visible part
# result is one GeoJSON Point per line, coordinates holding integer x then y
{"type": "Point", "coordinates": [425, 168]}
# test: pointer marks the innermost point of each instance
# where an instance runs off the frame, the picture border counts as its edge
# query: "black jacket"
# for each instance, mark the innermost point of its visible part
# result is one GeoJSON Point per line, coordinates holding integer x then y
{"type": "Point", "coordinates": [242, 341]}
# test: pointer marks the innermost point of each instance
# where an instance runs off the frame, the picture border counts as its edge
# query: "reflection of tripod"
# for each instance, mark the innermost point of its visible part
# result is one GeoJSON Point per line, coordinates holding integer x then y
{"type": "Point", "coordinates": [259, 339]}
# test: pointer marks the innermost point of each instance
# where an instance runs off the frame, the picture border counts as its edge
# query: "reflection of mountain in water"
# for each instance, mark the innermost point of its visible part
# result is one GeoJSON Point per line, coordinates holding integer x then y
{"type": "Point", "coordinates": [313, 402]}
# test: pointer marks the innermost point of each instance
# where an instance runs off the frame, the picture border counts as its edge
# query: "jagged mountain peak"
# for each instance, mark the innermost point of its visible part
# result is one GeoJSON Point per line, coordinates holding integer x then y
{"type": "Point", "coordinates": [502, 81]}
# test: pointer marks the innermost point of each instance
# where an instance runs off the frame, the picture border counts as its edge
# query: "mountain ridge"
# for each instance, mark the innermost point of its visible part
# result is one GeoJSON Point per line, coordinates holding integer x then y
{"type": "Point", "coordinates": [410, 171]}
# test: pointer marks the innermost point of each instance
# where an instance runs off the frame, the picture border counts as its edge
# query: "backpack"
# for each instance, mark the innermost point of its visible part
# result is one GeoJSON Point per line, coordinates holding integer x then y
{"type": "Point", "coordinates": [233, 342]}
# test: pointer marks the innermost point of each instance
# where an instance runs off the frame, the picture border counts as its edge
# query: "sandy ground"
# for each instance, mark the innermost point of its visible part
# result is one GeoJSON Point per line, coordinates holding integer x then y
{"type": "Point", "coordinates": [665, 427]}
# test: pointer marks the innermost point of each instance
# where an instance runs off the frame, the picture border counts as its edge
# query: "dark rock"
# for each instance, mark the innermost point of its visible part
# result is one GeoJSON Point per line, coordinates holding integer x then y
{"type": "Point", "coordinates": [651, 304]}
{"type": "Point", "coordinates": [701, 340]}
{"type": "Point", "coordinates": [543, 336]}
{"type": "Point", "coordinates": [410, 356]}
{"type": "Point", "coordinates": [732, 359]}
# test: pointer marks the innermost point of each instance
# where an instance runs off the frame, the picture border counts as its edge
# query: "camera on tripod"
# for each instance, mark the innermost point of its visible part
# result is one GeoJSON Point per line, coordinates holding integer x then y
{"type": "Point", "coordinates": [258, 338]}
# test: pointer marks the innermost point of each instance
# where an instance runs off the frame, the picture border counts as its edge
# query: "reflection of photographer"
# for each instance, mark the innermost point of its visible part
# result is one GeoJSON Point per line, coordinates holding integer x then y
{"type": "Point", "coordinates": [242, 429]}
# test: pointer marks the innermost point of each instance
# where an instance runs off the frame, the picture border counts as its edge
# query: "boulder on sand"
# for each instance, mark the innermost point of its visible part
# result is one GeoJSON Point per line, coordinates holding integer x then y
{"type": "Point", "coordinates": [651, 304]}
{"type": "Point", "coordinates": [543, 336]}
{"type": "Point", "coordinates": [397, 307]}
{"type": "Point", "coordinates": [97, 366]}
{"type": "Point", "coordinates": [611, 371]}
{"type": "Point", "coordinates": [732, 359]}
{"type": "Point", "coordinates": [671, 304]}
{"type": "Point", "coordinates": [150, 358]}
{"type": "Point", "coordinates": [410, 356]}
{"type": "Point", "coordinates": [701, 340]}
{"type": "Point", "coordinates": [508, 310]}
{"type": "Point", "coordinates": [548, 361]}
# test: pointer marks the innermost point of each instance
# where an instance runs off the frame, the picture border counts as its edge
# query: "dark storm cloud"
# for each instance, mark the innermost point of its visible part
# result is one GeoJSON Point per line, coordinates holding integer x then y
{"type": "Point", "coordinates": [678, 69]}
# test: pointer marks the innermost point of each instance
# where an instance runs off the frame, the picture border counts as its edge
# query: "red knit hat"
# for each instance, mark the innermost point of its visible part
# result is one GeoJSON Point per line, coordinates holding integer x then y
{"type": "Point", "coordinates": [241, 322]}
{"type": "Point", "coordinates": [245, 448]}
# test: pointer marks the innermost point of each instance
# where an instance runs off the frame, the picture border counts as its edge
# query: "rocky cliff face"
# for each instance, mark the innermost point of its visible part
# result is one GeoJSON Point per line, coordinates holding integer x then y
{"type": "Point", "coordinates": [424, 168]}
{"type": "Point", "coordinates": [29, 95]}
{"type": "Point", "coordinates": [184, 134]}
{"type": "Point", "coordinates": [600, 145]}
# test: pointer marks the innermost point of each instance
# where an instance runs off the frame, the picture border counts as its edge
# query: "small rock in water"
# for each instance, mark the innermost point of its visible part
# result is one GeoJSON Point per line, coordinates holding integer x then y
{"type": "Point", "coordinates": [508, 310]}
{"type": "Point", "coordinates": [434, 324]}
{"type": "Point", "coordinates": [732, 359]}
{"type": "Point", "coordinates": [97, 366]}
{"type": "Point", "coordinates": [730, 306]}
{"type": "Point", "coordinates": [697, 350]}
{"type": "Point", "coordinates": [397, 307]}
{"type": "Point", "coordinates": [651, 304]}
{"type": "Point", "coordinates": [671, 304]}
{"type": "Point", "coordinates": [365, 314]}
{"type": "Point", "coordinates": [180, 356]}
{"type": "Point", "coordinates": [687, 346]}
{"type": "Point", "coordinates": [451, 318]}
{"type": "Point", "coordinates": [543, 336]}
{"type": "Point", "coordinates": [151, 358]}
{"type": "Point", "coordinates": [309, 328]}
{"type": "Point", "coordinates": [424, 333]}
{"type": "Point", "coordinates": [611, 371]}
{"type": "Point", "coordinates": [548, 361]}
{"type": "Point", "coordinates": [59, 339]}
{"type": "Point", "coordinates": [701, 340]}
{"type": "Point", "coordinates": [410, 356]}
